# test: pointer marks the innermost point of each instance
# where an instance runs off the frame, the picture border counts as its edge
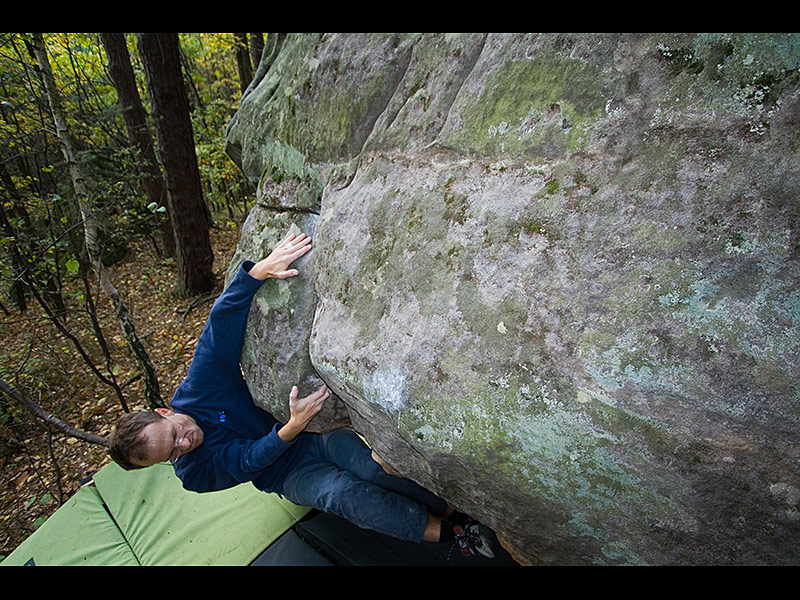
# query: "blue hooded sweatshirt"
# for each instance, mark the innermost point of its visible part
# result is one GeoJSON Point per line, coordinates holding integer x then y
{"type": "Point", "coordinates": [240, 442]}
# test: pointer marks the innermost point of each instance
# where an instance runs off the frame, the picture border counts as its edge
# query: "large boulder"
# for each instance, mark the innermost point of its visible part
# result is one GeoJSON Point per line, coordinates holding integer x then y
{"type": "Point", "coordinates": [555, 277]}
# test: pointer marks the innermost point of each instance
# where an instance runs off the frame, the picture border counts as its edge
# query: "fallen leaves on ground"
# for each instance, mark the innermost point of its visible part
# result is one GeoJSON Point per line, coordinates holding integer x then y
{"type": "Point", "coordinates": [54, 375]}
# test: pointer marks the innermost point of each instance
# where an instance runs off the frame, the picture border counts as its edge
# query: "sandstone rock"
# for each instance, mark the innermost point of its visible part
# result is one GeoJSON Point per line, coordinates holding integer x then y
{"type": "Point", "coordinates": [555, 277]}
{"type": "Point", "coordinates": [275, 353]}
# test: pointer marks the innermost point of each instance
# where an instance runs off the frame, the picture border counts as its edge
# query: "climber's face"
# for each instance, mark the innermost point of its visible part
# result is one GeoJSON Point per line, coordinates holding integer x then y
{"type": "Point", "coordinates": [173, 436]}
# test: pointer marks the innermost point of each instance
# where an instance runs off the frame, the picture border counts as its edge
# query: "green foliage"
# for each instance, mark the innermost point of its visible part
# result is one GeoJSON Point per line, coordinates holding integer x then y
{"type": "Point", "coordinates": [36, 190]}
{"type": "Point", "coordinates": [211, 65]}
{"type": "Point", "coordinates": [41, 232]}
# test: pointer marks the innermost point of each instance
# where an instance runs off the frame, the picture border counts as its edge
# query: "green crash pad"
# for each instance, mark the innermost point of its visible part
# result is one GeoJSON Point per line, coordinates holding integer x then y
{"type": "Point", "coordinates": [146, 518]}
{"type": "Point", "coordinates": [81, 532]}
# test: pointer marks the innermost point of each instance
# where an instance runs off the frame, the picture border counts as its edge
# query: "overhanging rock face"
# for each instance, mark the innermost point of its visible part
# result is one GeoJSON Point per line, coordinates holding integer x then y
{"type": "Point", "coordinates": [555, 277]}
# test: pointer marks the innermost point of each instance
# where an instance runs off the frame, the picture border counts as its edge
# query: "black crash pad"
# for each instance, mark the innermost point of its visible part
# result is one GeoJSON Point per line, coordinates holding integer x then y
{"type": "Point", "coordinates": [324, 537]}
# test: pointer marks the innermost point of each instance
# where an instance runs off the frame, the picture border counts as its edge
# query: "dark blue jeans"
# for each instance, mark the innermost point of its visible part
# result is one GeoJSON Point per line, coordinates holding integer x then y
{"type": "Point", "coordinates": [336, 474]}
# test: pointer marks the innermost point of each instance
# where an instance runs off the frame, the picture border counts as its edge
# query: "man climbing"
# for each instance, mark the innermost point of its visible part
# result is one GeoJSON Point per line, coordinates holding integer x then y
{"type": "Point", "coordinates": [216, 437]}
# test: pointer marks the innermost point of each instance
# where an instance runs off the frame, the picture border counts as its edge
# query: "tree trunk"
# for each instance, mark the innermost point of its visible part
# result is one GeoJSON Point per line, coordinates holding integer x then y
{"type": "Point", "coordinates": [160, 54]}
{"type": "Point", "coordinates": [135, 117]}
{"type": "Point", "coordinates": [90, 228]}
{"type": "Point", "coordinates": [256, 48]}
{"type": "Point", "coordinates": [243, 61]}
{"type": "Point", "coordinates": [17, 291]}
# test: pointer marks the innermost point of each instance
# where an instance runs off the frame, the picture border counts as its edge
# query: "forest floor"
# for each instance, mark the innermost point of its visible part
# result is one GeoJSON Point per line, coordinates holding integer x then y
{"type": "Point", "coordinates": [41, 467]}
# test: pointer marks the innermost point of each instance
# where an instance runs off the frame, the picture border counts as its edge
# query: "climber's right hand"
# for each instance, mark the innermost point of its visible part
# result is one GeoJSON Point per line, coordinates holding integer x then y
{"type": "Point", "coordinates": [302, 410]}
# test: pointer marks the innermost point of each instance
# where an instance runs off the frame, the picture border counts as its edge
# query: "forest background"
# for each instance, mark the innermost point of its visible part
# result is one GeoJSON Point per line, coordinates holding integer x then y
{"type": "Point", "coordinates": [99, 306]}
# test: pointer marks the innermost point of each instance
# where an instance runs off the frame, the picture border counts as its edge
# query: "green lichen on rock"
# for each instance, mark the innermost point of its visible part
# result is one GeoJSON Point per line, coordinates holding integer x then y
{"type": "Point", "coordinates": [304, 113]}
{"type": "Point", "coordinates": [532, 107]}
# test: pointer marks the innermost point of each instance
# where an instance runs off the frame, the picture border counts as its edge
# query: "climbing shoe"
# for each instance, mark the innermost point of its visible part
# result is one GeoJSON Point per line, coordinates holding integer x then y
{"type": "Point", "coordinates": [475, 539]}
{"type": "Point", "coordinates": [459, 518]}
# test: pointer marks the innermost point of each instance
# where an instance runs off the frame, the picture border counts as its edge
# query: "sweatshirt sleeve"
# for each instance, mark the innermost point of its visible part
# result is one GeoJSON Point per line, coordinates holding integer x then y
{"type": "Point", "coordinates": [216, 359]}
{"type": "Point", "coordinates": [237, 461]}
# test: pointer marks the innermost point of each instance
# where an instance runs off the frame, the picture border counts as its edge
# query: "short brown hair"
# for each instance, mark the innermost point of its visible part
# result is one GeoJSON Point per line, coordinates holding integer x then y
{"type": "Point", "coordinates": [125, 443]}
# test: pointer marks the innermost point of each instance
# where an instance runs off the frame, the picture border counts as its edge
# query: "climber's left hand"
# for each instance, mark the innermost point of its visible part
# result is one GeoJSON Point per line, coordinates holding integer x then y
{"type": "Point", "coordinates": [276, 265]}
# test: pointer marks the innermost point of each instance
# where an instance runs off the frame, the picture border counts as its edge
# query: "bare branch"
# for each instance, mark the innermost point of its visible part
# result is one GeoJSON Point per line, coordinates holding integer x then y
{"type": "Point", "coordinates": [37, 410]}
